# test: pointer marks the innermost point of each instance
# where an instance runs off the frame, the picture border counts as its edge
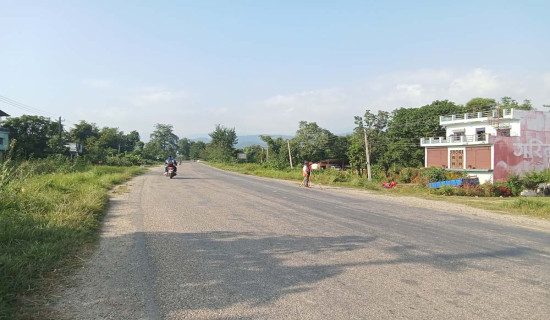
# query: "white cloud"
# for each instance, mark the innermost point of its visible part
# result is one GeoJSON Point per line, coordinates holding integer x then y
{"type": "Point", "coordinates": [97, 83]}
{"type": "Point", "coordinates": [334, 108]}
{"type": "Point", "coordinates": [479, 82]}
{"type": "Point", "coordinates": [155, 96]}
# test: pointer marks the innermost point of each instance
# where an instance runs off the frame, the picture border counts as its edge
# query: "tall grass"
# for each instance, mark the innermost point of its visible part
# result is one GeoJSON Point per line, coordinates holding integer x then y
{"type": "Point", "coordinates": [49, 209]}
{"type": "Point", "coordinates": [536, 207]}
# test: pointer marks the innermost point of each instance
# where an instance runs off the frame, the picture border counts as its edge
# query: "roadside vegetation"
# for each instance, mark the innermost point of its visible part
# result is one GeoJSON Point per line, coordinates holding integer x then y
{"type": "Point", "coordinates": [50, 211]}
{"type": "Point", "coordinates": [499, 197]}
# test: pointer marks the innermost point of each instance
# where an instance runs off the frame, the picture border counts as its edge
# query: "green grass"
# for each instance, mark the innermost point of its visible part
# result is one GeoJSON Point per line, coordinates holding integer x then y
{"type": "Point", "coordinates": [319, 177]}
{"type": "Point", "coordinates": [538, 207]}
{"type": "Point", "coordinates": [46, 220]}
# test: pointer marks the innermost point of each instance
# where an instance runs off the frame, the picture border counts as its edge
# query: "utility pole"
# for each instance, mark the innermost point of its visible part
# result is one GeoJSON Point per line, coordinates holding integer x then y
{"type": "Point", "coordinates": [267, 155]}
{"type": "Point", "coordinates": [289, 155]}
{"type": "Point", "coordinates": [367, 154]}
{"type": "Point", "coordinates": [60, 142]}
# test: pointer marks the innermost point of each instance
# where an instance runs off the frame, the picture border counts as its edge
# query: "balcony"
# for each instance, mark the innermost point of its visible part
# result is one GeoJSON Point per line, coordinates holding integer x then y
{"type": "Point", "coordinates": [476, 116]}
{"type": "Point", "coordinates": [455, 140]}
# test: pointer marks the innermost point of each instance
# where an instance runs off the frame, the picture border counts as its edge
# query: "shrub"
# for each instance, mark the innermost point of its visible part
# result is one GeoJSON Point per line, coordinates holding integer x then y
{"type": "Point", "coordinates": [473, 191]}
{"type": "Point", "coordinates": [124, 160]}
{"type": "Point", "coordinates": [378, 172]}
{"type": "Point", "coordinates": [432, 174]}
{"type": "Point", "coordinates": [453, 175]}
{"type": "Point", "coordinates": [486, 190]}
{"type": "Point", "coordinates": [502, 191]}
{"type": "Point", "coordinates": [447, 190]}
{"type": "Point", "coordinates": [532, 179]}
{"type": "Point", "coordinates": [514, 184]}
{"type": "Point", "coordinates": [459, 191]}
{"type": "Point", "coordinates": [408, 175]}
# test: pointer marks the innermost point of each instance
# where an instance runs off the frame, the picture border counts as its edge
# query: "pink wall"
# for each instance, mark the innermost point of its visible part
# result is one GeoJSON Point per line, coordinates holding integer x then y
{"type": "Point", "coordinates": [530, 151]}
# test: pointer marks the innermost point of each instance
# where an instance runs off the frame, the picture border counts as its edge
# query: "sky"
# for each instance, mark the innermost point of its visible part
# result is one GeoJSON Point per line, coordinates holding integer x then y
{"type": "Point", "coordinates": [261, 67]}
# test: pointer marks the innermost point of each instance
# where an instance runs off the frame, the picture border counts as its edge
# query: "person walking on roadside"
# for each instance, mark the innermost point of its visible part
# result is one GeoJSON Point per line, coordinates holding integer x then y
{"type": "Point", "coordinates": [306, 172]}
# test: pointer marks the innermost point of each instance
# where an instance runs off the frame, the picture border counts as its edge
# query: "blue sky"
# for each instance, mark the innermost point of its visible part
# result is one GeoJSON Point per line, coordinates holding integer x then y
{"type": "Point", "coordinates": [263, 66]}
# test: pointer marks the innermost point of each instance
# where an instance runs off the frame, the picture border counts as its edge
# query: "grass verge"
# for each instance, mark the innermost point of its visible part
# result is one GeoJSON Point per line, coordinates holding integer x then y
{"type": "Point", "coordinates": [46, 221]}
{"type": "Point", "coordinates": [538, 207]}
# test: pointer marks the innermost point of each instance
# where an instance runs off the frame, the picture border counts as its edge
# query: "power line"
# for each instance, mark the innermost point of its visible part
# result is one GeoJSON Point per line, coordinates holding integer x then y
{"type": "Point", "coordinates": [22, 106]}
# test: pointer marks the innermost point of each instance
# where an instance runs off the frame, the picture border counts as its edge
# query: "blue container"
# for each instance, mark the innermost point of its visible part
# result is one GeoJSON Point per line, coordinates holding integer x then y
{"type": "Point", "coordinates": [439, 184]}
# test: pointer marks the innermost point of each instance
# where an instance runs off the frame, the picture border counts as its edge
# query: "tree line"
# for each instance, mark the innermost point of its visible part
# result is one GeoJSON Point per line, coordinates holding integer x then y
{"type": "Point", "coordinates": [393, 139]}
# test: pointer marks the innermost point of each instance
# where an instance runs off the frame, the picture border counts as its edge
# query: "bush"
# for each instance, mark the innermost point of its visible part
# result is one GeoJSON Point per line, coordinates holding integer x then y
{"type": "Point", "coordinates": [124, 160]}
{"type": "Point", "coordinates": [432, 174]}
{"type": "Point", "coordinates": [501, 191]}
{"type": "Point", "coordinates": [532, 179]}
{"type": "Point", "coordinates": [474, 191]}
{"type": "Point", "coordinates": [408, 175]}
{"type": "Point", "coordinates": [453, 175]}
{"type": "Point", "coordinates": [378, 172]}
{"type": "Point", "coordinates": [486, 190]}
{"type": "Point", "coordinates": [446, 190]}
{"type": "Point", "coordinates": [514, 184]}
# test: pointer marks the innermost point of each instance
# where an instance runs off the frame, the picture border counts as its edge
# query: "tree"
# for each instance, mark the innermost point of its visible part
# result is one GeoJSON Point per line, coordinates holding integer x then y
{"type": "Point", "coordinates": [276, 152]}
{"type": "Point", "coordinates": [131, 142]}
{"type": "Point", "coordinates": [221, 147]}
{"type": "Point", "coordinates": [111, 140]}
{"type": "Point", "coordinates": [508, 103]}
{"type": "Point", "coordinates": [184, 145]}
{"type": "Point", "coordinates": [356, 150]}
{"type": "Point", "coordinates": [408, 125]}
{"type": "Point", "coordinates": [374, 126]}
{"type": "Point", "coordinates": [82, 131]}
{"type": "Point", "coordinates": [163, 143]}
{"type": "Point", "coordinates": [36, 136]}
{"type": "Point", "coordinates": [254, 153]}
{"type": "Point", "coordinates": [312, 142]}
{"type": "Point", "coordinates": [480, 104]}
{"type": "Point", "coordinates": [196, 150]}
{"type": "Point", "coordinates": [338, 147]}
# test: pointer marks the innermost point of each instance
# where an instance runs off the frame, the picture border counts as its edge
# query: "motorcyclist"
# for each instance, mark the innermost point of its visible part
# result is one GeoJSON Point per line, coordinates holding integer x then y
{"type": "Point", "coordinates": [170, 162]}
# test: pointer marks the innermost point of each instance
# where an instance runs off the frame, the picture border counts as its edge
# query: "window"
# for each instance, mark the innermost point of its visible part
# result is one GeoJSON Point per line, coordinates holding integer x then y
{"type": "Point", "coordinates": [480, 134]}
{"type": "Point", "coordinates": [1, 141]}
{"type": "Point", "coordinates": [503, 132]}
{"type": "Point", "coordinates": [456, 135]}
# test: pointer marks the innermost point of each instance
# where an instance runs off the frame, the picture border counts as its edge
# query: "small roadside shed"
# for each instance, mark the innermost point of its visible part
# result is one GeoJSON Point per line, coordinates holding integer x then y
{"type": "Point", "coordinates": [4, 135]}
{"type": "Point", "coordinates": [338, 164]}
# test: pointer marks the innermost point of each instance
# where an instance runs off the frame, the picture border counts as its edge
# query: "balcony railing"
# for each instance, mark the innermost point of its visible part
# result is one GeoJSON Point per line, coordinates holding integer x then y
{"type": "Point", "coordinates": [502, 113]}
{"type": "Point", "coordinates": [476, 138]}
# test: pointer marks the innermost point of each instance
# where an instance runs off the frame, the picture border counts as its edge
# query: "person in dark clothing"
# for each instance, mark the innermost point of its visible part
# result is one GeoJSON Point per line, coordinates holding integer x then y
{"type": "Point", "coordinates": [170, 162]}
{"type": "Point", "coordinates": [306, 172]}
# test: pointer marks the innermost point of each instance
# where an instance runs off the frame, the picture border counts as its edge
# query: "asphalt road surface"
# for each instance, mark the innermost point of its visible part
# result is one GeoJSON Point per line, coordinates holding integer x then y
{"type": "Point", "coordinates": [210, 244]}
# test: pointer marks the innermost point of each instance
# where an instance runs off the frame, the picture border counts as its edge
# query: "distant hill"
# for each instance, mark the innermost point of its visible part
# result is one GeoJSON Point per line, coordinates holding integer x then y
{"type": "Point", "coordinates": [246, 141]}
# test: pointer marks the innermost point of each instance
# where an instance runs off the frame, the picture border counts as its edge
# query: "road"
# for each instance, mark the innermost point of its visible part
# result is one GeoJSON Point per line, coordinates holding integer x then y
{"type": "Point", "coordinates": [210, 244]}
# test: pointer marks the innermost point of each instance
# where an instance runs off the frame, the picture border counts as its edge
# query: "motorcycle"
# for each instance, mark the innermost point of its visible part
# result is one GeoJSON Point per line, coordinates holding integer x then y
{"type": "Point", "coordinates": [171, 172]}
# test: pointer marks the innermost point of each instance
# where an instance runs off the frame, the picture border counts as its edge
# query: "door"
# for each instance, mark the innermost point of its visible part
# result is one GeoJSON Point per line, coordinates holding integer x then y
{"type": "Point", "coordinates": [457, 159]}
